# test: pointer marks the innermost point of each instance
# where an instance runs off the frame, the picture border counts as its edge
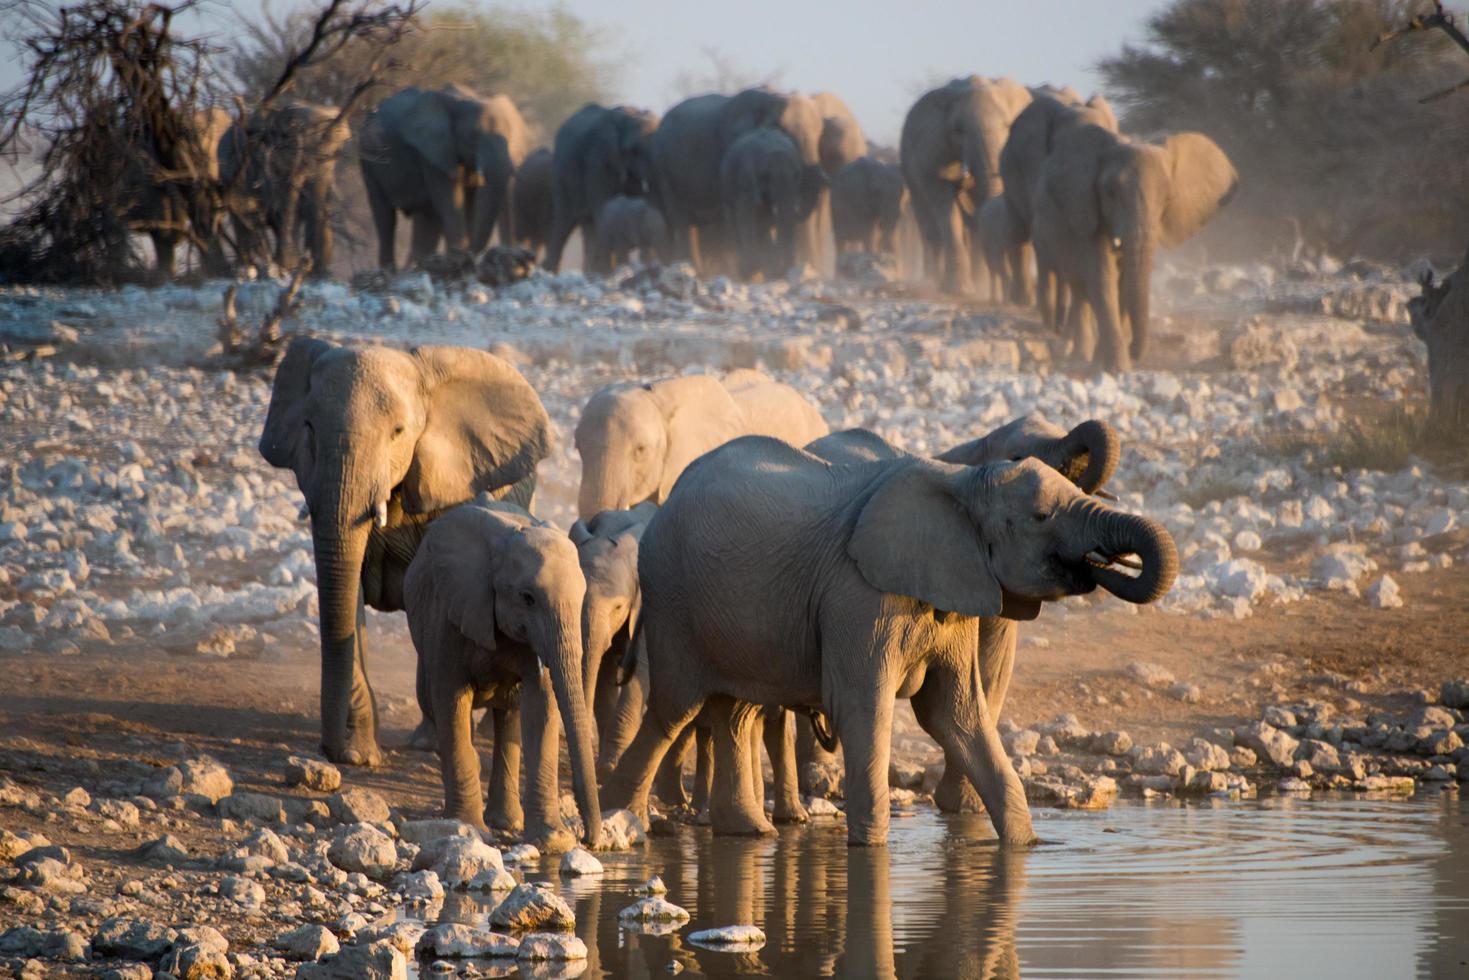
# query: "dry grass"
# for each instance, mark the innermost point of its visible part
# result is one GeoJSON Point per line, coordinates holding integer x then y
{"type": "Point", "coordinates": [1376, 438]}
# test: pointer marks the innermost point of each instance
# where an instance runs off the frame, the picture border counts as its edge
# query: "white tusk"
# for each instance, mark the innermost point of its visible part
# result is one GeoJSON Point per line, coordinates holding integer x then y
{"type": "Point", "coordinates": [304, 513]}
{"type": "Point", "coordinates": [1105, 494]}
{"type": "Point", "coordinates": [1096, 558]}
{"type": "Point", "coordinates": [1129, 561]}
{"type": "Point", "coordinates": [381, 513]}
{"type": "Point", "coordinates": [1117, 244]}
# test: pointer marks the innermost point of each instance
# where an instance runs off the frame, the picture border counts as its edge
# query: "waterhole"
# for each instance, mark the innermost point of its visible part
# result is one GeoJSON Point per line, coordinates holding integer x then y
{"type": "Point", "coordinates": [1274, 888]}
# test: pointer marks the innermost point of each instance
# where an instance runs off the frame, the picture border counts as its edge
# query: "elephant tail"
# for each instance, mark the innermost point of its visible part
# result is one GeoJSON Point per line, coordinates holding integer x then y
{"type": "Point", "coordinates": [629, 664]}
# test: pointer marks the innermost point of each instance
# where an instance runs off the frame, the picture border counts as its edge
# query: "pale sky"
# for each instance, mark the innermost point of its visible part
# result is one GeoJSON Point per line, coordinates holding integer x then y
{"type": "Point", "coordinates": [878, 55]}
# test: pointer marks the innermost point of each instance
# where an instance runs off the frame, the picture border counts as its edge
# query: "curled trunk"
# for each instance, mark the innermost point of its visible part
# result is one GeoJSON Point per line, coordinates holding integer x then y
{"type": "Point", "coordinates": [1116, 533]}
{"type": "Point", "coordinates": [1102, 448]}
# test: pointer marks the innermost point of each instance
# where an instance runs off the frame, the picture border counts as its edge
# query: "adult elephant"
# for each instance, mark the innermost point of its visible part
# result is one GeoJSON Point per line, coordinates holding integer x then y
{"type": "Point", "coordinates": [382, 440]}
{"type": "Point", "coordinates": [1104, 206]}
{"type": "Point", "coordinates": [768, 194]}
{"type": "Point", "coordinates": [601, 153]}
{"type": "Point", "coordinates": [163, 205]}
{"type": "Point", "coordinates": [635, 439]}
{"type": "Point", "coordinates": [950, 154]}
{"type": "Point", "coordinates": [842, 140]}
{"type": "Point", "coordinates": [866, 204]}
{"type": "Point", "coordinates": [288, 155]}
{"type": "Point", "coordinates": [1033, 135]}
{"type": "Point", "coordinates": [446, 158]}
{"type": "Point", "coordinates": [530, 202]}
{"type": "Point", "coordinates": [772, 577]}
{"type": "Point", "coordinates": [686, 152]}
{"type": "Point", "coordinates": [494, 599]}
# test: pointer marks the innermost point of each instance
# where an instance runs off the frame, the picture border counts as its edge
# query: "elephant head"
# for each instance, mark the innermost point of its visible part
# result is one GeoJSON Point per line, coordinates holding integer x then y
{"type": "Point", "coordinates": [977, 123]}
{"type": "Point", "coordinates": [630, 160]}
{"type": "Point", "coordinates": [999, 539]}
{"type": "Point", "coordinates": [499, 574]}
{"type": "Point", "coordinates": [634, 440]}
{"type": "Point", "coordinates": [1087, 455]}
{"type": "Point", "coordinates": [374, 435]}
{"type": "Point", "coordinates": [1132, 199]}
{"type": "Point", "coordinates": [607, 546]}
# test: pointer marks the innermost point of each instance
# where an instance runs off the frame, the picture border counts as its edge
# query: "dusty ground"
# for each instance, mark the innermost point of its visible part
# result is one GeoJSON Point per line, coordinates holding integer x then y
{"type": "Point", "coordinates": [103, 681]}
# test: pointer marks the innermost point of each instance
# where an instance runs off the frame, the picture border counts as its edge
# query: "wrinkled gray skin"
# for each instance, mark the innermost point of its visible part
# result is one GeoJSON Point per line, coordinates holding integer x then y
{"type": "Point", "coordinates": [290, 178]}
{"type": "Point", "coordinates": [446, 158]}
{"type": "Point", "coordinates": [634, 440]}
{"type": "Point", "coordinates": [530, 202]}
{"type": "Point", "coordinates": [160, 209]}
{"type": "Point", "coordinates": [381, 440]}
{"type": "Point", "coordinates": [1050, 115]}
{"type": "Point", "coordinates": [768, 193]}
{"type": "Point", "coordinates": [626, 225]}
{"type": "Point", "coordinates": [950, 156]}
{"type": "Point", "coordinates": [1103, 207]}
{"type": "Point", "coordinates": [875, 576]}
{"type": "Point", "coordinates": [492, 595]}
{"type": "Point", "coordinates": [686, 152]}
{"type": "Point", "coordinates": [601, 153]}
{"type": "Point", "coordinates": [866, 203]}
{"type": "Point", "coordinates": [1087, 455]}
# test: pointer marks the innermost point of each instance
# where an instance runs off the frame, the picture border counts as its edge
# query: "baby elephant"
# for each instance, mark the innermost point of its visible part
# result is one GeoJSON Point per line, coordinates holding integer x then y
{"type": "Point", "coordinates": [767, 192]}
{"type": "Point", "coordinates": [625, 225]}
{"type": "Point", "coordinates": [866, 202]}
{"type": "Point", "coordinates": [494, 599]}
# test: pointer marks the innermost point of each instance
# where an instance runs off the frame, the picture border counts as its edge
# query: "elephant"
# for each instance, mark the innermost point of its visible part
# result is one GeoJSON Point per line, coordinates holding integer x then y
{"type": "Point", "coordinates": [635, 440]}
{"type": "Point", "coordinates": [530, 202]}
{"type": "Point", "coordinates": [768, 194]}
{"type": "Point", "coordinates": [447, 159]}
{"type": "Point", "coordinates": [381, 439]}
{"type": "Point", "coordinates": [281, 164]}
{"type": "Point", "coordinates": [950, 155]}
{"type": "Point", "coordinates": [1005, 250]}
{"type": "Point", "coordinates": [1103, 206]}
{"type": "Point", "coordinates": [1032, 136]}
{"type": "Point", "coordinates": [601, 153]}
{"type": "Point", "coordinates": [686, 152]}
{"type": "Point", "coordinates": [161, 208]}
{"type": "Point", "coordinates": [866, 202]}
{"type": "Point", "coordinates": [626, 225]}
{"type": "Point", "coordinates": [842, 140]}
{"type": "Point", "coordinates": [494, 600]}
{"type": "Point", "coordinates": [773, 577]}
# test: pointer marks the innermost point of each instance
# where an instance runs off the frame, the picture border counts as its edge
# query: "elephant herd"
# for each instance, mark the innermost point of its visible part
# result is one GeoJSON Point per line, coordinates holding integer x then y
{"type": "Point", "coordinates": [734, 562]}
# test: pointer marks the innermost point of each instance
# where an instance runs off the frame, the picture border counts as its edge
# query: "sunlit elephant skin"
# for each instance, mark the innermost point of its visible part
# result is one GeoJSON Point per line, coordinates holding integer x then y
{"type": "Point", "coordinates": [492, 595]}
{"type": "Point", "coordinates": [772, 577]}
{"type": "Point", "coordinates": [447, 159]}
{"type": "Point", "coordinates": [379, 438]}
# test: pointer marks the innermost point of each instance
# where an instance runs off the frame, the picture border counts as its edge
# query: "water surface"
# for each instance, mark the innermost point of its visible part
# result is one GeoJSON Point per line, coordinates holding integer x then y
{"type": "Point", "coordinates": [1275, 888]}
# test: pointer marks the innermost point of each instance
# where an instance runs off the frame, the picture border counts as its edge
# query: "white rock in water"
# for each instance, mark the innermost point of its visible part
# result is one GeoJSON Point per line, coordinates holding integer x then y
{"type": "Point", "coordinates": [528, 907]}
{"type": "Point", "coordinates": [579, 861]}
{"type": "Point", "coordinates": [654, 908]}
{"type": "Point", "coordinates": [628, 824]}
{"type": "Point", "coordinates": [1383, 594]}
{"type": "Point", "coordinates": [420, 887]}
{"type": "Point", "coordinates": [820, 806]}
{"type": "Point", "coordinates": [552, 946]}
{"type": "Point", "coordinates": [730, 937]}
{"type": "Point", "coordinates": [492, 880]}
{"type": "Point", "coordinates": [522, 854]}
{"type": "Point", "coordinates": [458, 860]}
{"type": "Point", "coordinates": [653, 886]}
{"type": "Point", "coordinates": [456, 940]}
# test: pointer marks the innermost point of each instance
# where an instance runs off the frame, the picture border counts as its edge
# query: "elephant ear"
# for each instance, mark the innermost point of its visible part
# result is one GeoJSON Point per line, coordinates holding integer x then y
{"type": "Point", "coordinates": [1072, 175]}
{"type": "Point", "coordinates": [1202, 181]}
{"type": "Point", "coordinates": [453, 573]}
{"type": "Point", "coordinates": [699, 415]}
{"type": "Point", "coordinates": [914, 538]}
{"type": "Point", "coordinates": [428, 127]}
{"type": "Point", "coordinates": [484, 429]}
{"type": "Point", "coordinates": [580, 534]}
{"type": "Point", "coordinates": [283, 440]}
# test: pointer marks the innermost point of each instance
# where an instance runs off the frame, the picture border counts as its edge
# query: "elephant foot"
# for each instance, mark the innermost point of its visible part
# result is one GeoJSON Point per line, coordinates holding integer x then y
{"type": "Point", "coordinates": [505, 818]}
{"type": "Point", "coordinates": [955, 794]}
{"type": "Point", "coordinates": [356, 750]}
{"type": "Point", "coordinates": [551, 840]}
{"type": "Point", "coordinates": [734, 823]}
{"type": "Point", "coordinates": [475, 820]}
{"type": "Point", "coordinates": [862, 840]}
{"type": "Point", "coordinates": [424, 738]}
{"type": "Point", "coordinates": [790, 811]}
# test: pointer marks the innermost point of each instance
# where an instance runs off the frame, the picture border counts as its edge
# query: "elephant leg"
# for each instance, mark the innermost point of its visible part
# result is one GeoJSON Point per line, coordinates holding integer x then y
{"type": "Point", "coordinates": [669, 787]}
{"type": "Point", "coordinates": [164, 248]}
{"type": "Point", "coordinates": [504, 811]}
{"type": "Point", "coordinates": [385, 220]}
{"type": "Point", "coordinates": [423, 739]}
{"type": "Point", "coordinates": [318, 227]}
{"type": "Point", "coordinates": [361, 744]}
{"type": "Point", "coordinates": [540, 732]}
{"type": "Point", "coordinates": [780, 745]}
{"type": "Point", "coordinates": [703, 768]}
{"type": "Point", "coordinates": [1101, 292]}
{"type": "Point", "coordinates": [1081, 325]}
{"type": "Point", "coordinates": [733, 807]}
{"type": "Point", "coordinates": [864, 720]}
{"type": "Point", "coordinates": [563, 223]}
{"type": "Point", "coordinates": [954, 793]}
{"type": "Point", "coordinates": [632, 779]}
{"type": "Point", "coordinates": [997, 638]}
{"type": "Point", "coordinates": [808, 751]}
{"type": "Point", "coordinates": [951, 706]}
{"type": "Point", "coordinates": [426, 235]}
{"type": "Point", "coordinates": [1022, 286]}
{"type": "Point", "coordinates": [446, 201]}
{"type": "Point", "coordinates": [453, 707]}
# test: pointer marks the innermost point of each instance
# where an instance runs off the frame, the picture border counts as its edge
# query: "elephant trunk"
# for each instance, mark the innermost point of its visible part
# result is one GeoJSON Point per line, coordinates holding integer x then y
{"type": "Point", "coordinates": [602, 487]}
{"type": "Point", "coordinates": [1114, 533]}
{"type": "Point", "coordinates": [565, 665]}
{"type": "Point", "coordinates": [339, 532]}
{"type": "Point", "coordinates": [1134, 286]}
{"type": "Point", "coordinates": [1098, 441]}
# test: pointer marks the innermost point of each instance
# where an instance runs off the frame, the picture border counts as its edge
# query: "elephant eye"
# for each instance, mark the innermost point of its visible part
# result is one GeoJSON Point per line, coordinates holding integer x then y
{"type": "Point", "coordinates": [1042, 516]}
{"type": "Point", "coordinates": [640, 452]}
{"type": "Point", "coordinates": [397, 431]}
{"type": "Point", "coordinates": [528, 599]}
